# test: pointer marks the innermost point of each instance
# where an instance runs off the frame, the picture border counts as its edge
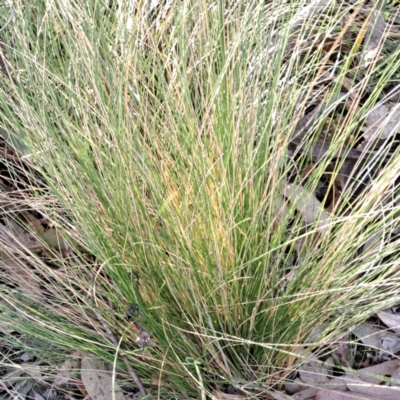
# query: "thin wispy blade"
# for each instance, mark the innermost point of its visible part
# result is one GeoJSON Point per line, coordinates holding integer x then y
{"type": "Point", "coordinates": [9, 21]}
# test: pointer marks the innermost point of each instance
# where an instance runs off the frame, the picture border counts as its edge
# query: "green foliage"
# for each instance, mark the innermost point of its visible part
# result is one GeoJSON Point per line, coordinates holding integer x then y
{"type": "Point", "coordinates": [162, 135]}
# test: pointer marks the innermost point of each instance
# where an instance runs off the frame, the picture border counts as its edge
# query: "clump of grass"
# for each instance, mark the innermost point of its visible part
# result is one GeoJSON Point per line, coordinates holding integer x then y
{"type": "Point", "coordinates": [162, 134]}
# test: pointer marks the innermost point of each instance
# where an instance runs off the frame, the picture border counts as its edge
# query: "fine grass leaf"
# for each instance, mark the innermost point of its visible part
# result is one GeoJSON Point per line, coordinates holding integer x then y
{"type": "Point", "coordinates": [13, 140]}
{"type": "Point", "coordinates": [98, 381]}
{"type": "Point", "coordinates": [150, 154]}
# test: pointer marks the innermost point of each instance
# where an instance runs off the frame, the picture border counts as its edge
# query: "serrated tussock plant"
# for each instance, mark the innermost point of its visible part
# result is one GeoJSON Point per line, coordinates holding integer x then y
{"type": "Point", "coordinates": [162, 134]}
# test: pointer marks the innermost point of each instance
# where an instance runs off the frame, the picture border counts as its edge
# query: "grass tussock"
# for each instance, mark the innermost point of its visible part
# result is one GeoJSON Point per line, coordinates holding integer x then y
{"type": "Point", "coordinates": [159, 136]}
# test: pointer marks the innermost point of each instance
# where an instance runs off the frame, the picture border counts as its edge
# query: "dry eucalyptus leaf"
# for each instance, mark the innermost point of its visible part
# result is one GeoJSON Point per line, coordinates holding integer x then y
{"type": "Point", "coordinates": [35, 371]}
{"type": "Point", "coordinates": [50, 394]}
{"type": "Point", "coordinates": [49, 236]}
{"type": "Point", "coordinates": [314, 8]}
{"type": "Point", "coordinates": [370, 335]}
{"type": "Point", "coordinates": [11, 377]}
{"type": "Point", "coordinates": [341, 351]}
{"type": "Point", "coordinates": [379, 391]}
{"type": "Point", "coordinates": [373, 40]}
{"type": "Point", "coordinates": [23, 387]}
{"type": "Point", "coordinates": [375, 373]}
{"type": "Point", "coordinates": [395, 381]}
{"type": "Point", "coordinates": [391, 320]}
{"type": "Point", "coordinates": [21, 274]}
{"type": "Point", "coordinates": [294, 387]}
{"type": "Point", "coordinates": [329, 363]}
{"type": "Point", "coordinates": [382, 122]}
{"type": "Point", "coordinates": [390, 343]}
{"type": "Point", "coordinates": [306, 203]}
{"type": "Point", "coordinates": [68, 371]}
{"type": "Point", "coordinates": [37, 396]}
{"type": "Point", "coordinates": [335, 384]}
{"type": "Point", "coordinates": [98, 381]}
{"type": "Point", "coordinates": [314, 372]}
{"type": "Point", "coordinates": [218, 395]}
{"type": "Point", "coordinates": [324, 394]}
{"type": "Point", "coordinates": [25, 357]}
{"type": "Point", "coordinates": [16, 238]}
{"type": "Point", "coordinates": [6, 327]}
{"type": "Point", "coordinates": [367, 333]}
